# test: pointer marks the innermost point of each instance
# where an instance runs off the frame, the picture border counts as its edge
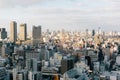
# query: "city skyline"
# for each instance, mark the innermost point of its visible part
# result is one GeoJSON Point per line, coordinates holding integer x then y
{"type": "Point", "coordinates": [68, 14]}
{"type": "Point", "coordinates": [59, 40]}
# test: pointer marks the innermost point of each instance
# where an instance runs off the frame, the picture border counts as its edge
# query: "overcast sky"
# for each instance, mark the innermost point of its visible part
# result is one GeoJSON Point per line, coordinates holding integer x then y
{"type": "Point", "coordinates": [58, 14]}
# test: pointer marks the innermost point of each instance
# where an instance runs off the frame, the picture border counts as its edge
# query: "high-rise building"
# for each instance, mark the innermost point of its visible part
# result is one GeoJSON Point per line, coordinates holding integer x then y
{"type": "Point", "coordinates": [3, 33]}
{"type": "Point", "coordinates": [36, 35]}
{"type": "Point", "coordinates": [99, 30]}
{"type": "Point", "coordinates": [86, 34]}
{"type": "Point", "coordinates": [93, 32]}
{"type": "Point", "coordinates": [3, 50]}
{"type": "Point", "coordinates": [13, 31]}
{"type": "Point", "coordinates": [34, 64]}
{"type": "Point", "coordinates": [20, 55]}
{"type": "Point", "coordinates": [20, 76]}
{"type": "Point", "coordinates": [34, 76]}
{"type": "Point", "coordinates": [14, 74]}
{"type": "Point", "coordinates": [3, 73]}
{"type": "Point", "coordinates": [23, 32]}
{"type": "Point", "coordinates": [66, 64]}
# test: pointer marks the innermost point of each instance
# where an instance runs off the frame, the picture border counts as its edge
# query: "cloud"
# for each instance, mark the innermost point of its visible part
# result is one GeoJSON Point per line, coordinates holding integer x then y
{"type": "Point", "coordinates": [21, 3]}
{"type": "Point", "coordinates": [63, 13]}
{"type": "Point", "coordinates": [6, 3]}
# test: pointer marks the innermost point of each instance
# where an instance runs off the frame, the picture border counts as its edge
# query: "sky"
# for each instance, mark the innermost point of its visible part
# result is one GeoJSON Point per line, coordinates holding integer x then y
{"type": "Point", "coordinates": [76, 15]}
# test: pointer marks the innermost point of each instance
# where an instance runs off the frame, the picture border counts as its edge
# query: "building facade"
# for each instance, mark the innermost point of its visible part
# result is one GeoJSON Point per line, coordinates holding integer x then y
{"type": "Point", "coordinates": [23, 32]}
{"type": "Point", "coordinates": [3, 33]}
{"type": "Point", "coordinates": [13, 31]}
{"type": "Point", "coordinates": [36, 35]}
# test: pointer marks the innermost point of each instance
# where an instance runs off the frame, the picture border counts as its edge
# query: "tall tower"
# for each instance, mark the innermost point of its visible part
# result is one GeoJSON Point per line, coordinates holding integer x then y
{"type": "Point", "coordinates": [99, 30]}
{"type": "Point", "coordinates": [93, 32]}
{"type": "Point", "coordinates": [23, 32]}
{"type": "Point", "coordinates": [13, 31]}
{"type": "Point", "coordinates": [86, 34]}
{"type": "Point", "coordinates": [36, 35]}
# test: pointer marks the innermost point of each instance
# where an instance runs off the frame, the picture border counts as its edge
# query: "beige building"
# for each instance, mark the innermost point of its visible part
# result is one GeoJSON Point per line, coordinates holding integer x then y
{"type": "Point", "coordinates": [23, 32]}
{"type": "Point", "coordinates": [13, 31]}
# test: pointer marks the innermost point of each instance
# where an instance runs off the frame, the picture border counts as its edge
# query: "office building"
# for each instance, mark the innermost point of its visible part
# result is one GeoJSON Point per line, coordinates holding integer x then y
{"type": "Point", "coordinates": [1, 43]}
{"type": "Point", "coordinates": [3, 74]}
{"type": "Point", "coordinates": [14, 74]}
{"type": "Point", "coordinates": [34, 64]}
{"type": "Point", "coordinates": [3, 50]}
{"type": "Point", "coordinates": [8, 49]}
{"type": "Point", "coordinates": [23, 32]}
{"type": "Point", "coordinates": [20, 57]}
{"type": "Point", "coordinates": [66, 64]}
{"type": "Point", "coordinates": [36, 35]}
{"type": "Point", "coordinates": [22, 75]}
{"type": "Point", "coordinates": [13, 31]}
{"type": "Point", "coordinates": [93, 32]}
{"type": "Point", "coordinates": [86, 33]}
{"type": "Point", "coordinates": [75, 74]}
{"type": "Point", "coordinates": [34, 76]}
{"type": "Point", "coordinates": [28, 64]}
{"type": "Point", "coordinates": [32, 54]}
{"type": "Point", "coordinates": [31, 64]}
{"type": "Point", "coordinates": [19, 76]}
{"type": "Point", "coordinates": [0, 50]}
{"type": "Point", "coordinates": [3, 33]}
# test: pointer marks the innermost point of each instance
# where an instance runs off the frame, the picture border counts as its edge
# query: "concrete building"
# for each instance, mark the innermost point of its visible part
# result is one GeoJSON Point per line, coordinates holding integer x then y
{"type": "Point", "coordinates": [23, 32]}
{"type": "Point", "coordinates": [93, 32]}
{"type": "Point", "coordinates": [3, 74]}
{"type": "Point", "coordinates": [75, 74]}
{"type": "Point", "coordinates": [14, 74]}
{"type": "Point", "coordinates": [13, 31]}
{"type": "Point", "coordinates": [34, 76]}
{"type": "Point", "coordinates": [32, 54]}
{"type": "Point", "coordinates": [3, 50]}
{"type": "Point", "coordinates": [66, 64]}
{"type": "Point", "coordinates": [0, 51]}
{"type": "Point", "coordinates": [20, 76]}
{"type": "Point", "coordinates": [36, 35]}
{"type": "Point", "coordinates": [20, 57]}
{"type": "Point", "coordinates": [3, 33]}
{"type": "Point", "coordinates": [1, 43]}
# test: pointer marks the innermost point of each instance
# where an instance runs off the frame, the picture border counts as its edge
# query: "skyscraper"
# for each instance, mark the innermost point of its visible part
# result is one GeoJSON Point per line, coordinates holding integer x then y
{"type": "Point", "coordinates": [93, 32]}
{"type": "Point", "coordinates": [36, 35]}
{"type": "Point", "coordinates": [86, 33]}
{"type": "Point", "coordinates": [3, 33]}
{"type": "Point", "coordinates": [13, 31]}
{"type": "Point", "coordinates": [23, 32]}
{"type": "Point", "coordinates": [99, 30]}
